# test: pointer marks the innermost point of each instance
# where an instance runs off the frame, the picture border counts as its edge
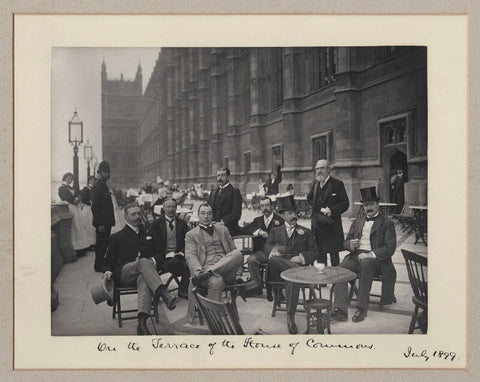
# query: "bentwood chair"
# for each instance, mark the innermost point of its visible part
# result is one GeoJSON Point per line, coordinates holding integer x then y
{"type": "Point", "coordinates": [220, 316]}
{"type": "Point", "coordinates": [417, 274]}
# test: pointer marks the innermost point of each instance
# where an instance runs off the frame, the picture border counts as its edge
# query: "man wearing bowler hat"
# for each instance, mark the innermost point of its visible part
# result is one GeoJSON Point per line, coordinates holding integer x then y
{"type": "Point", "coordinates": [103, 215]}
{"type": "Point", "coordinates": [329, 201]}
{"type": "Point", "coordinates": [289, 245]}
{"type": "Point", "coordinates": [371, 242]}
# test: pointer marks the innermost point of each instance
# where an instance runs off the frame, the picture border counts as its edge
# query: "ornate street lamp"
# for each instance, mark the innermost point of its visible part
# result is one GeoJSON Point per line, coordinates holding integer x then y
{"type": "Point", "coordinates": [75, 137]}
{"type": "Point", "coordinates": [88, 155]}
{"type": "Point", "coordinates": [95, 163]}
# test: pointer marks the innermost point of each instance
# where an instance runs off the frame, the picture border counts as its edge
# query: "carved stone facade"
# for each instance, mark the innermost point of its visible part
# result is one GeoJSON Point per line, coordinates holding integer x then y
{"type": "Point", "coordinates": [120, 112]}
{"type": "Point", "coordinates": [363, 108]}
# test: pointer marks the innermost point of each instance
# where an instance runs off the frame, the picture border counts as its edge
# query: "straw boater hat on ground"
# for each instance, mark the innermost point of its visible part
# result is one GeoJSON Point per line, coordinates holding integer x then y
{"type": "Point", "coordinates": [102, 291]}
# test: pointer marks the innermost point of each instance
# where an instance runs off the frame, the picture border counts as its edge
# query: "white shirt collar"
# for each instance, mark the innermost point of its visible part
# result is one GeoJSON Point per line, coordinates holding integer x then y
{"type": "Point", "coordinates": [224, 186]}
{"type": "Point", "coordinates": [267, 220]}
{"type": "Point", "coordinates": [325, 182]}
{"type": "Point", "coordinates": [288, 226]}
{"type": "Point", "coordinates": [135, 229]}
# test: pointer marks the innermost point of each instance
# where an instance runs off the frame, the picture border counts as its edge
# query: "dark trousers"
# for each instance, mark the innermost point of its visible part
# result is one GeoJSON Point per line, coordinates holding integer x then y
{"type": "Point", "coordinates": [366, 269]}
{"type": "Point", "coordinates": [101, 245]}
{"type": "Point", "coordinates": [277, 265]}
{"type": "Point", "coordinates": [177, 266]}
{"type": "Point", "coordinates": [322, 254]}
{"type": "Point", "coordinates": [255, 261]}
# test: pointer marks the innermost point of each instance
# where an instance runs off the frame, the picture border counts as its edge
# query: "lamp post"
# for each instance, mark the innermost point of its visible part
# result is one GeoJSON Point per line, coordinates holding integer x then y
{"type": "Point", "coordinates": [95, 163]}
{"type": "Point", "coordinates": [75, 137]}
{"type": "Point", "coordinates": [88, 155]}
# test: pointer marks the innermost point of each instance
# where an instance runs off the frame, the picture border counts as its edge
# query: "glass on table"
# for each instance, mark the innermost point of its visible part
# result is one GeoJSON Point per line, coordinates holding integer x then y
{"type": "Point", "coordinates": [319, 266]}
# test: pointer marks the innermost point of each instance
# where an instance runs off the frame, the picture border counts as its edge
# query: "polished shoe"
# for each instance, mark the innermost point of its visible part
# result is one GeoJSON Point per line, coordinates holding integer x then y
{"type": "Point", "coordinates": [292, 327]}
{"type": "Point", "coordinates": [359, 315]}
{"type": "Point", "coordinates": [339, 315]}
{"type": "Point", "coordinates": [242, 290]}
{"type": "Point", "coordinates": [269, 293]}
{"type": "Point", "coordinates": [142, 329]}
{"type": "Point", "coordinates": [163, 293]}
{"type": "Point", "coordinates": [253, 289]}
{"type": "Point", "coordinates": [197, 279]}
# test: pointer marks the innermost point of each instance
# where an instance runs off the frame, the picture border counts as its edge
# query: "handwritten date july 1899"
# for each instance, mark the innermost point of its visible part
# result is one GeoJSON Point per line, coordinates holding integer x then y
{"type": "Point", "coordinates": [426, 355]}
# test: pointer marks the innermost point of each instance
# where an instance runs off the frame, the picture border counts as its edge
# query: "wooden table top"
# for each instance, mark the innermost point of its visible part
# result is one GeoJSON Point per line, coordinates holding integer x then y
{"type": "Point", "coordinates": [311, 275]}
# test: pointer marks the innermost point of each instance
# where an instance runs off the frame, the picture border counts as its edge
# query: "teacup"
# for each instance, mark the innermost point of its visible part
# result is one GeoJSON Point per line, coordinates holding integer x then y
{"type": "Point", "coordinates": [319, 266]}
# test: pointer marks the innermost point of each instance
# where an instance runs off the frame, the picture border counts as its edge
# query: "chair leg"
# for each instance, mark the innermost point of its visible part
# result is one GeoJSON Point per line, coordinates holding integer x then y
{"type": "Point", "coordinates": [274, 309]}
{"type": "Point", "coordinates": [119, 311]}
{"type": "Point", "coordinates": [414, 319]}
{"type": "Point", "coordinates": [115, 298]}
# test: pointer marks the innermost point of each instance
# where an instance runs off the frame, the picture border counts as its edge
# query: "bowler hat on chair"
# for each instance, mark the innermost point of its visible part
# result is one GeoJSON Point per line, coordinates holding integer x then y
{"type": "Point", "coordinates": [369, 194]}
{"type": "Point", "coordinates": [102, 291]}
{"type": "Point", "coordinates": [286, 203]}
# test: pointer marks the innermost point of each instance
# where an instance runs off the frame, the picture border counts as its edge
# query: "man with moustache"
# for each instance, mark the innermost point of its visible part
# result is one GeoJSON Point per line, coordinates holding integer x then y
{"type": "Point", "coordinates": [211, 254]}
{"type": "Point", "coordinates": [289, 245]}
{"type": "Point", "coordinates": [371, 242]}
{"type": "Point", "coordinates": [170, 233]}
{"type": "Point", "coordinates": [132, 260]}
{"type": "Point", "coordinates": [226, 202]}
{"type": "Point", "coordinates": [259, 229]}
{"type": "Point", "coordinates": [103, 214]}
{"type": "Point", "coordinates": [329, 200]}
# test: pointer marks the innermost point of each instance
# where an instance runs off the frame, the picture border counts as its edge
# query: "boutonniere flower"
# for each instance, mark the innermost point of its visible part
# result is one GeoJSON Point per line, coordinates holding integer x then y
{"type": "Point", "coordinates": [276, 222]}
{"type": "Point", "coordinates": [300, 231]}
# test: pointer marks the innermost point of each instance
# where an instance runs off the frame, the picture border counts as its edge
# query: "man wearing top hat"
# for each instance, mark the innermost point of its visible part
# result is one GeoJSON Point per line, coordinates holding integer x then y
{"type": "Point", "coordinates": [289, 245]}
{"type": "Point", "coordinates": [103, 214]}
{"type": "Point", "coordinates": [329, 201]}
{"type": "Point", "coordinates": [371, 242]}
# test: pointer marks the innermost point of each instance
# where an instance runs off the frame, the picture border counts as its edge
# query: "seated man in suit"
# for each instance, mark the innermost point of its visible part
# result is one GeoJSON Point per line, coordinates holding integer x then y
{"type": "Point", "coordinates": [288, 246]}
{"type": "Point", "coordinates": [131, 260]}
{"type": "Point", "coordinates": [371, 242]}
{"type": "Point", "coordinates": [226, 202]}
{"type": "Point", "coordinates": [211, 254]}
{"type": "Point", "coordinates": [259, 229]}
{"type": "Point", "coordinates": [170, 233]}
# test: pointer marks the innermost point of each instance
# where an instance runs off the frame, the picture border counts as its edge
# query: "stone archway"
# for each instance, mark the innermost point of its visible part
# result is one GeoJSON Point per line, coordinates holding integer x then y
{"type": "Point", "coordinates": [396, 160]}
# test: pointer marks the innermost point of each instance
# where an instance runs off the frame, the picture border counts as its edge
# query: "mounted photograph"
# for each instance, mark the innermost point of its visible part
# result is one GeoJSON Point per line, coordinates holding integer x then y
{"type": "Point", "coordinates": [239, 190]}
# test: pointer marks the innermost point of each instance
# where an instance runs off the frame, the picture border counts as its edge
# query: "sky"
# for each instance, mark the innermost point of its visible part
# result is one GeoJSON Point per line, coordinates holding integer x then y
{"type": "Point", "coordinates": [76, 83]}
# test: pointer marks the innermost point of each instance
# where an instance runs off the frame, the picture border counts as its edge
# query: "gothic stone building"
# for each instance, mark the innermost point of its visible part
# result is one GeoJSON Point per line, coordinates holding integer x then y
{"type": "Point", "coordinates": [120, 109]}
{"type": "Point", "coordinates": [362, 108]}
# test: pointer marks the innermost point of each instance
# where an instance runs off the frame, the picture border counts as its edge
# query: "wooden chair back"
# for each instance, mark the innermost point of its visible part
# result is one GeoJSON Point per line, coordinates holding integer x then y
{"type": "Point", "coordinates": [417, 274]}
{"type": "Point", "coordinates": [220, 316]}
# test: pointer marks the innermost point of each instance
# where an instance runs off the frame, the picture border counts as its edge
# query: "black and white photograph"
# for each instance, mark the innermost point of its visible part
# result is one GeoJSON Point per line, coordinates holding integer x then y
{"type": "Point", "coordinates": [272, 197]}
{"type": "Point", "coordinates": [309, 163]}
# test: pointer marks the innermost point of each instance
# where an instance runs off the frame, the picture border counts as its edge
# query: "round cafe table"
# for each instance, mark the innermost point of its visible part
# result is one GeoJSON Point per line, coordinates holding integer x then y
{"type": "Point", "coordinates": [311, 275]}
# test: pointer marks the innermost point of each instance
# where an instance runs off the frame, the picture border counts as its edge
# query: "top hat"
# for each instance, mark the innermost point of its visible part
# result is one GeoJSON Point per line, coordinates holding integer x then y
{"type": "Point", "coordinates": [102, 291]}
{"type": "Point", "coordinates": [286, 203]}
{"type": "Point", "coordinates": [369, 194]}
{"type": "Point", "coordinates": [103, 166]}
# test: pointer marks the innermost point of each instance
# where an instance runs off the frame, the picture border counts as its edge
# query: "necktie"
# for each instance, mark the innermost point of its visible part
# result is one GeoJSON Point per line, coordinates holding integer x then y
{"type": "Point", "coordinates": [208, 230]}
{"type": "Point", "coordinates": [370, 219]}
{"type": "Point", "coordinates": [291, 230]}
{"type": "Point", "coordinates": [170, 224]}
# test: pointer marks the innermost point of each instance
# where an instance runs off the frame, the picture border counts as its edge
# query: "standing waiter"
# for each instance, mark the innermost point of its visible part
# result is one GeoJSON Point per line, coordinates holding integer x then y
{"type": "Point", "coordinates": [103, 215]}
{"type": "Point", "coordinates": [329, 200]}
